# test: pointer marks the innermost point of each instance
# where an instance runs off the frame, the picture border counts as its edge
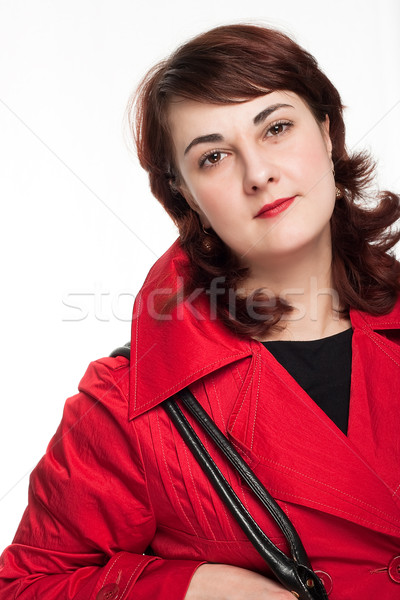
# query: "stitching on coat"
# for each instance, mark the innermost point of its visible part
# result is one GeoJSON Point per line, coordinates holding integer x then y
{"type": "Point", "coordinates": [242, 451]}
{"type": "Point", "coordinates": [396, 490]}
{"type": "Point", "coordinates": [205, 441]}
{"type": "Point", "coordinates": [211, 488]}
{"type": "Point", "coordinates": [328, 486]}
{"type": "Point", "coordinates": [386, 323]}
{"type": "Point", "coordinates": [170, 477]}
{"type": "Point", "coordinates": [372, 325]}
{"type": "Point", "coordinates": [239, 374]}
{"type": "Point", "coordinates": [219, 403]}
{"type": "Point", "coordinates": [380, 322]}
{"type": "Point", "coordinates": [257, 366]}
{"type": "Point", "coordinates": [143, 465]}
{"type": "Point", "coordinates": [197, 493]}
{"type": "Point", "coordinates": [136, 351]}
{"type": "Point", "coordinates": [130, 578]}
{"type": "Point", "coordinates": [223, 421]}
{"type": "Point", "coordinates": [381, 344]}
{"type": "Point", "coordinates": [234, 443]}
{"type": "Point", "coordinates": [244, 495]}
{"type": "Point", "coordinates": [286, 508]}
{"type": "Point", "coordinates": [111, 568]}
{"type": "Point", "coordinates": [244, 397]}
{"type": "Point", "coordinates": [334, 508]}
{"type": "Point", "coordinates": [237, 447]}
{"type": "Point", "coordinates": [188, 377]}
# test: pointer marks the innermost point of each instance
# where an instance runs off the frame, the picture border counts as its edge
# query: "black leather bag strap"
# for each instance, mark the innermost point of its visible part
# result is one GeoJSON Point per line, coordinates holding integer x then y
{"type": "Point", "coordinates": [122, 351]}
{"type": "Point", "coordinates": [294, 572]}
{"type": "Point", "coordinates": [296, 547]}
{"type": "Point", "coordinates": [295, 575]}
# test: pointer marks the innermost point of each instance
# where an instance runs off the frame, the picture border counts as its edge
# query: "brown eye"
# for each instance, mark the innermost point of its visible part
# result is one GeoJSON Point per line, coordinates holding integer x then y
{"type": "Point", "coordinates": [276, 129]}
{"type": "Point", "coordinates": [214, 157]}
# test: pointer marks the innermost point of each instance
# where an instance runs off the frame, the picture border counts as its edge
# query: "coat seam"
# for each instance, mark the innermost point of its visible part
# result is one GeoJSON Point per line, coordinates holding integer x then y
{"type": "Point", "coordinates": [243, 400]}
{"type": "Point", "coordinates": [381, 345]}
{"type": "Point", "coordinates": [136, 351]}
{"type": "Point", "coordinates": [131, 577]}
{"type": "Point", "coordinates": [257, 366]}
{"type": "Point", "coordinates": [197, 493]}
{"type": "Point", "coordinates": [177, 383]}
{"type": "Point", "coordinates": [303, 475]}
{"type": "Point", "coordinates": [111, 568]}
{"type": "Point", "coordinates": [396, 490]}
{"type": "Point", "coordinates": [170, 477]}
{"type": "Point", "coordinates": [239, 374]}
{"type": "Point", "coordinates": [218, 403]}
{"type": "Point", "coordinates": [353, 516]}
{"type": "Point", "coordinates": [145, 479]}
{"type": "Point", "coordinates": [210, 488]}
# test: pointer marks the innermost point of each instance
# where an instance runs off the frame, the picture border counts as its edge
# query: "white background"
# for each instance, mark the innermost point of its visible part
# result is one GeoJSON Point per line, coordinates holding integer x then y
{"type": "Point", "coordinates": [78, 224]}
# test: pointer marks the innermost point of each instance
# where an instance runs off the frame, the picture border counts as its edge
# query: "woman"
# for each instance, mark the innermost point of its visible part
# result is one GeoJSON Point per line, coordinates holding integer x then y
{"type": "Point", "coordinates": [278, 306]}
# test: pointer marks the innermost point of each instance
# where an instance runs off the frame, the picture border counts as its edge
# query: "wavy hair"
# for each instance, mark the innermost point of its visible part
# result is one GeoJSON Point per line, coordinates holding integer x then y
{"type": "Point", "coordinates": [235, 63]}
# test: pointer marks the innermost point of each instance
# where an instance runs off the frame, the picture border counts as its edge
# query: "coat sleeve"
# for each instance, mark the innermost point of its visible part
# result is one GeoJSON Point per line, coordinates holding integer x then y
{"type": "Point", "coordinates": [89, 518]}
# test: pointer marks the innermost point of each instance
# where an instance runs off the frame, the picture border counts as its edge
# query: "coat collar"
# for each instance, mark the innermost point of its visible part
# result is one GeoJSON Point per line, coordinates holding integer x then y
{"type": "Point", "coordinates": [378, 322]}
{"type": "Point", "coordinates": [172, 350]}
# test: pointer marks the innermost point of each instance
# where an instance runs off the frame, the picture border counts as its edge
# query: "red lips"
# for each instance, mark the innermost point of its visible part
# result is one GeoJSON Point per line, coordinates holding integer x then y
{"type": "Point", "coordinates": [275, 208]}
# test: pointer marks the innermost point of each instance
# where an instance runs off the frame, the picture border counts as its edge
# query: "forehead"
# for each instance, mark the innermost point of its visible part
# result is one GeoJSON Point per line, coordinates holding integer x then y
{"type": "Point", "coordinates": [190, 118]}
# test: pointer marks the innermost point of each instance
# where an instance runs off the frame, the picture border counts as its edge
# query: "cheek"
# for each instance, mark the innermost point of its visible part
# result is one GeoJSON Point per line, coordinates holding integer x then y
{"type": "Point", "coordinates": [214, 196]}
{"type": "Point", "coordinates": [311, 167]}
{"type": "Point", "coordinates": [315, 156]}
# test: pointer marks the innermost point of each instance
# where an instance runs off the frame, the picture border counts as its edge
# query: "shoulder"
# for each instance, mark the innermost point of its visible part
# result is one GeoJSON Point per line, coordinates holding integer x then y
{"type": "Point", "coordinates": [105, 385]}
{"type": "Point", "coordinates": [390, 320]}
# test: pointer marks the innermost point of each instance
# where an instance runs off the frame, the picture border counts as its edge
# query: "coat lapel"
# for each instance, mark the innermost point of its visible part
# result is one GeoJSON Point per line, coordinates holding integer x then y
{"type": "Point", "coordinates": [305, 459]}
{"type": "Point", "coordinates": [374, 420]}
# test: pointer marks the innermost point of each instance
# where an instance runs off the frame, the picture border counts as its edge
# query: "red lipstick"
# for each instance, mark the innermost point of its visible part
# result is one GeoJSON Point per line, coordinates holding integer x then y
{"type": "Point", "coordinates": [274, 208]}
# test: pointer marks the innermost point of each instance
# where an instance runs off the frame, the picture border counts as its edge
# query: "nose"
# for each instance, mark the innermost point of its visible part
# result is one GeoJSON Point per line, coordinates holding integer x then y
{"type": "Point", "coordinates": [259, 171]}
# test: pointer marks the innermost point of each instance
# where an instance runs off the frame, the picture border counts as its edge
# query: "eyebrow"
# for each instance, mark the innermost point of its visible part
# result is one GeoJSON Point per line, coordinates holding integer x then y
{"type": "Point", "coordinates": [217, 137]}
{"type": "Point", "coordinates": [204, 139]}
{"type": "Point", "coordinates": [264, 114]}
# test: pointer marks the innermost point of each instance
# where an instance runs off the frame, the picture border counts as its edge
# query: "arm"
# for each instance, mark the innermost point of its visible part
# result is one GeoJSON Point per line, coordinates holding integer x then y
{"type": "Point", "coordinates": [89, 518]}
{"type": "Point", "coordinates": [225, 582]}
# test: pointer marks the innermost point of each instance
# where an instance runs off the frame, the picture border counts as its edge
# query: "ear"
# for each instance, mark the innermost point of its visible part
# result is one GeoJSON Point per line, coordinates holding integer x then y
{"type": "Point", "coordinates": [325, 127]}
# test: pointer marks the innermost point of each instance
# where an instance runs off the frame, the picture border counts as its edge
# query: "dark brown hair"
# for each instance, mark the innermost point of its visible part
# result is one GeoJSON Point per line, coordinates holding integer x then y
{"type": "Point", "coordinates": [235, 63]}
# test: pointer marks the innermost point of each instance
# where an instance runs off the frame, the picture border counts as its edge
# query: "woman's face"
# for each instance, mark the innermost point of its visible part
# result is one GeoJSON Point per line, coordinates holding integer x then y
{"type": "Point", "coordinates": [259, 173]}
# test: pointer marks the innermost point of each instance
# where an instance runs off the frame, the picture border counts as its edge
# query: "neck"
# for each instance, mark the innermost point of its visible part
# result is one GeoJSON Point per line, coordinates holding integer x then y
{"type": "Point", "coordinates": [308, 287]}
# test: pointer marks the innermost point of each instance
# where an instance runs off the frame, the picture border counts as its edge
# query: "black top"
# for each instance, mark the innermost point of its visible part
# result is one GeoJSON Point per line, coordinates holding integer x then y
{"type": "Point", "coordinates": [323, 369]}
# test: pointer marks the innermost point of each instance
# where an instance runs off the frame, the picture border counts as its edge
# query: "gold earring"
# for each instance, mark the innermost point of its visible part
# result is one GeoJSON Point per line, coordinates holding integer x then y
{"type": "Point", "coordinates": [339, 193]}
{"type": "Point", "coordinates": [206, 242]}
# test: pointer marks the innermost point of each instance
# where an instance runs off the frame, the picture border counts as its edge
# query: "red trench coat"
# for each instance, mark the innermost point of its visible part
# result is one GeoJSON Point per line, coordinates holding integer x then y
{"type": "Point", "coordinates": [117, 477]}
